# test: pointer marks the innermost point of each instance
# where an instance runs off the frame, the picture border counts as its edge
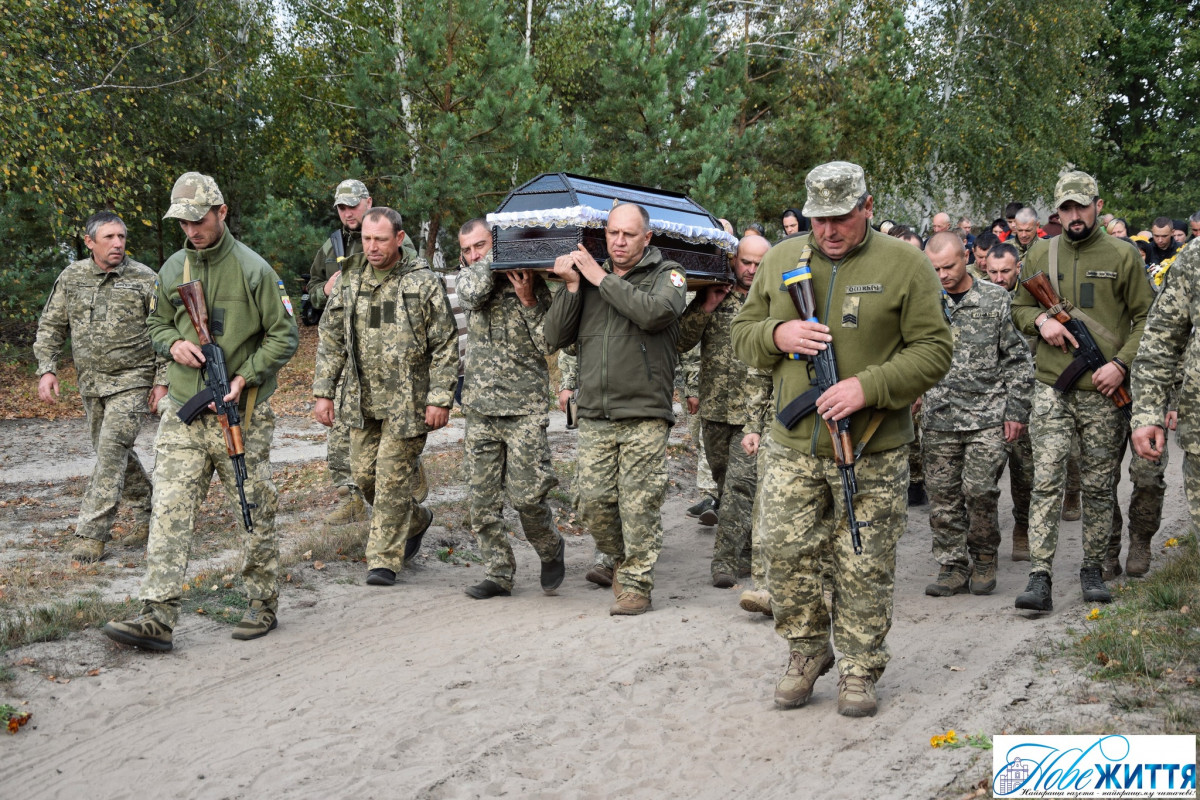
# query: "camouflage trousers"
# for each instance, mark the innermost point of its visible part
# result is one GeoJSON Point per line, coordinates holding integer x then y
{"type": "Point", "coordinates": [1191, 488]}
{"type": "Point", "coordinates": [1145, 501]}
{"type": "Point", "coordinates": [962, 474]}
{"type": "Point", "coordinates": [337, 443]}
{"type": "Point", "coordinates": [114, 422]}
{"type": "Point", "coordinates": [804, 530]}
{"type": "Point", "coordinates": [916, 463]}
{"type": "Point", "coordinates": [704, 477]}
{"type": "Point", "coordinates": [622, 475]}
{"type": "Point", "coordinates": [1098, 425]}
{"type": "Point", "coordinates": [185, 457]}
{"type": "Point", "coordinates": [385, 467]}
{"type": "Point", "coordinates": [1020, 476]}
{"type": "Point", "coordinates": [736, 475]}
{"type": "Point", "coordinates": [510, 455]}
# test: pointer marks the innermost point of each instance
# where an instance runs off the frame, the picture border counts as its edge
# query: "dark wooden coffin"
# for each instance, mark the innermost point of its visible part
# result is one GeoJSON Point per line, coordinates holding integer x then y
{"type": "Point", "coordinates": [555, 212]}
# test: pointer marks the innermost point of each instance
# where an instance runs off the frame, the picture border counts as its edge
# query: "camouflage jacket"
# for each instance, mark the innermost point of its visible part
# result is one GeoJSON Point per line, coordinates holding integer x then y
{"type": "Point", "coordinates": [105, 314]}
{"type": "Point", "coordinates": [990, 381]}
{"type": "Point", "coordinates": [760, 406]}
{"type": "Point", "coordinates": [506, 372]}
{"type": "Point", "coordinates": [395, 339]}
{"type": "Point", "coordinates": [249, 315]}
{"type": "Point", "coordinates": [1168, 353]}
{"type": "Point", "coordinates": [723, 381]}
{"type": "Point", "coordinates": [325, 263]}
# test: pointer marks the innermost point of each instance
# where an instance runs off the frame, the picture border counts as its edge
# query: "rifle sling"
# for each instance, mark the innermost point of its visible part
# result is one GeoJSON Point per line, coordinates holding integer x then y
{"type": "Point", "coordinates": [1076, 313]}
{"type": "Point", "coordinates": [253, 395]}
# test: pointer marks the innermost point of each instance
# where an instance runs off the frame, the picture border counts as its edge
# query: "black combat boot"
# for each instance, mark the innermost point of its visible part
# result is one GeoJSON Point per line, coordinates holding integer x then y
{"type": "Point", "coordinates": [1092, 582]}
{"type": "Point", "coordinates": [1036, 596]}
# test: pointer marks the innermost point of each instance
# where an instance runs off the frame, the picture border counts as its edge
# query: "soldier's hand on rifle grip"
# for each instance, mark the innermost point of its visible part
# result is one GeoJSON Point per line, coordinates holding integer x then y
{"type": "Point", "coordinates": [236, 384]}
{"type": "Point", "coordinates": [801, 336]}
{"type": "Point", "coordinates": [1108, 379]}
{"type": "Point", "coordinates": [187, 353]}
{"type": "Point", "coordinates": [842, 400]}
{"type": "Point", "coordinates": [1149, 441]}
{"type": "Point", "coordinates": [1055, 333]}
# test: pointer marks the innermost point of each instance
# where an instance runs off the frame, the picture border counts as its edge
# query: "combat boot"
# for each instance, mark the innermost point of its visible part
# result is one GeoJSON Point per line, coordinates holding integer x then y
{"type": "Point", "coordinates": [856, 696]}
{"type": "Point", "coordinates": [1020, 544]}
{"type": "Point", "coordinates": [259, 620]}
{"type": "Point", "coordinates": [797, 683]}
{"type": "Point", "coordinates": [756, 601]}
{"type": "Point", "coordinates": [1137, 563]}
{"type": "Point", "coordinates": [1092, 583]}
{"type": "Point", "coordinates": [950, 581]}
{"type": "Point", "coordinates": [706, 504]}
{"type": "Point", "coordinates": [1037, 594]}
{"type": "Point", "coordinates": [599, 575]}
{"type": "Point", "coordinates": [1071, 509]}
{"type": "Point", "coordinates": [350, 508]}
{"type": "Point", "coordinates": [87, 550]}
{"type": "Point", "coordinates": [630, 604]}
{"type": "Point", "coordinates": [983, 574]}
{"type": "Point", "coordinates": [143, 631]}
{"type": "Point", "coordinates": [138, 533]}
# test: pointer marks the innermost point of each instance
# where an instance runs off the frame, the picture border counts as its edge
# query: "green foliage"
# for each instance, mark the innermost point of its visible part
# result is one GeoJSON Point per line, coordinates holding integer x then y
{"type": "Point", "coordinates": [1149, 135]}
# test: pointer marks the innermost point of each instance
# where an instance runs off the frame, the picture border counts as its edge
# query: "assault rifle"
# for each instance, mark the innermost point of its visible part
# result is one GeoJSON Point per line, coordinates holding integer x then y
{"type": "Point", "coordinates": [216, 386]}
{"type": "Point", "coordinates": [798, 283]}
{"type": "Point", "coordinates": [1087, 355]}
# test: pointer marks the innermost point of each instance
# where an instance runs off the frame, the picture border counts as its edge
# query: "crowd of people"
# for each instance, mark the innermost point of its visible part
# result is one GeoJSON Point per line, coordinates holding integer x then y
{"type": "Point", "coordinates": [1049, 347]}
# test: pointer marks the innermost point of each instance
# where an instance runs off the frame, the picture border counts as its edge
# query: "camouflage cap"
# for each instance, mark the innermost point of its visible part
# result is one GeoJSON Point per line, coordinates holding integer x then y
{"type": "Point", "coordinates": [1077, 186]}
{"type": "Point", "coordinates": [350, 193]}
{"type": "Point", "coordinates": [193, 195]}
{"type": "Point", "coordinates": [834, 189]}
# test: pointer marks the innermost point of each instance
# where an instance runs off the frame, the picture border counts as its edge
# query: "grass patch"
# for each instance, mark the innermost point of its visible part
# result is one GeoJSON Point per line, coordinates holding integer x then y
{"type": "Point", "coordinates": [57, 620]}
{"type": "Point", "coordinates": [1146, 645]}
{"type": "Point", "coordinates": [215, 594]}
{"type": "Point", "coordinates": [333, 543]}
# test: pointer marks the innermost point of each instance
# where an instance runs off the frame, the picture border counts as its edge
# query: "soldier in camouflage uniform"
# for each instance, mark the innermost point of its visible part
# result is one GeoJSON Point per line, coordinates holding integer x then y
{"type": "Point", "coordinates": [981, 404]}
{"type": "Point", "coordinates": [1103, 280]}
{"type": "Point", "coordinates": [1166, 357]}
{"type": "Point", "coordinates": [1004, 269]}
{"type": "Point", "coordinates": [389, 333]}
{"type": "Point", "coordinates": [101, 303]}
{"type": "Point", "coordinates": [875, 292]}
{"type": "Point", "coordinates": [624, 319]}
{"type": "Point", "coordinates": [250, 318]}
{"type": "Point", "coordinates": [687, 382]}
{"type": "Point", "coordinates": [760, 410]}
{"type": "Point", "coordinates": [723, 409]}
{"type": "Point", "coordinates": [351, 200]}
{"type": "Point", "coordinates": [505, 386]}
{"type": "Point", "coordinates": [1024, 232]}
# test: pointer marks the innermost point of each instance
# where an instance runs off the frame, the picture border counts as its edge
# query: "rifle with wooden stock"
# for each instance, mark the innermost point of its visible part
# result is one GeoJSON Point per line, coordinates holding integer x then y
{"type": "Point", "coordinates": [215, 374]}
{"type": "Point", "coordinates": [798, 283]}
{"type": "Point", "coordinates": [1088, 355]}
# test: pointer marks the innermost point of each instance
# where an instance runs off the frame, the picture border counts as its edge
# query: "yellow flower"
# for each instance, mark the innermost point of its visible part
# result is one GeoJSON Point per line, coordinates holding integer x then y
{"type": "Point", "coordinates": [951, 737]}
{"type": "Point", "coordinates": [936, 741]}
{"type": "Point", "coordinates": [1094, 614]}
{"type": "Point", "coordinates": [1172, 542]}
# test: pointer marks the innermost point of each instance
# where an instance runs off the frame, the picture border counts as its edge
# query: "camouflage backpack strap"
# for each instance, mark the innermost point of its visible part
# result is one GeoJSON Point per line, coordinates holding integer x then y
{"type": "Point", "coordinates": [1078, 313]}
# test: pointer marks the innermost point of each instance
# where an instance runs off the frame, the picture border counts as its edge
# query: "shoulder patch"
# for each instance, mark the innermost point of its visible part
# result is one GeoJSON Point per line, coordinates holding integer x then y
{"type": "Point", "coordinates": [154, 297]}
{"type": "Point", "coordinates": [677, 279]}
{"type": "Point", "coordinates": [287, 301]}
{"type": "Point", "coordinates": [865, 288]}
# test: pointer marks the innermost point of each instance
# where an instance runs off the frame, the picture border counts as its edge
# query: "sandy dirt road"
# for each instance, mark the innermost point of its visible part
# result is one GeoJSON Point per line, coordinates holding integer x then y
{"type": "Point", "coordinates": [418, 691]}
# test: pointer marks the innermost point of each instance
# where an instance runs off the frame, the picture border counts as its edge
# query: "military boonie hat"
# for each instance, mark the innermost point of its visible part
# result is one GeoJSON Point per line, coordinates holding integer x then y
{"type": "Point", "coordinates": [1077, 186]}
{"type": "Point", "coordinates": [834, 189]}
{"type": "Point", "coordinates": [192, 196]}
{"type": "Point", "coordinates": [350, 193]}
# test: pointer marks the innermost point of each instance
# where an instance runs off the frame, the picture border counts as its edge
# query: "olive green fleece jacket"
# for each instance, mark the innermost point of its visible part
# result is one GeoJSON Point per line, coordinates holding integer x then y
{"type": "Point", "coordinates": [882, 303]}
{"type": "Point", "coordinates": [1101, 275]}
{"type": "Point", "coordinates": [249, 316]}
{"type": "Point", "coordinates": [625, 330]}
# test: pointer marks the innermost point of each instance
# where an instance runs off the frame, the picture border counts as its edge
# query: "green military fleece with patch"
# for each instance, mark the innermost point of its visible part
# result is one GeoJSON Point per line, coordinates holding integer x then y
{"type": "Point", "coordinates": [882, 304]}
{"type": "Point", "coordinates": [249, 316]}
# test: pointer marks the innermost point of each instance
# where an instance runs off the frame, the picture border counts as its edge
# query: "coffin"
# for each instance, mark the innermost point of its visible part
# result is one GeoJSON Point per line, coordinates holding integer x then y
{"type": "Point", "coordinates": [555, 212]}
